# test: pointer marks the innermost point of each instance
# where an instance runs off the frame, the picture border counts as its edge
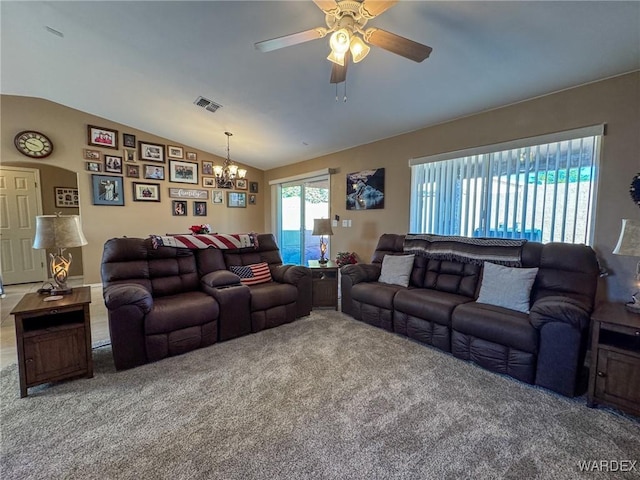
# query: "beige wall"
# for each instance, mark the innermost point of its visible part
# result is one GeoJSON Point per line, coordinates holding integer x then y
{"type": "Point", "coordinates": [615, 102]}
{"type": "Point", "coordinates": [67, 128]}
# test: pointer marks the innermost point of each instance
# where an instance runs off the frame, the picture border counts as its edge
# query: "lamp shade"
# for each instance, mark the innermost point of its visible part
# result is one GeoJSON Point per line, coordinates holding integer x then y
{"type": "Point", "coordinates": [58, 231]}
{"type": "Point", "coordinates": [629, 241]}
{"type": "Point", "coordinates": [322, 226]}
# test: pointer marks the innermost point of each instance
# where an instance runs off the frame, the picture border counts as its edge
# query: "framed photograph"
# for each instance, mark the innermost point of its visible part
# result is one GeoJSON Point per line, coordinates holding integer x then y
{"type": "Point", "coordinates": [129, 154]}
{"type": "Point", "coordinates": [89, 154]}
{"type": "Point", "coordinates": [179, 208]}
{"type": "Point", "coordinates": [129, 140]}
{"type": "Point", "coordinates": [151, 151]}
{"type": "Point", "coordinates": [241, 184]}
{"type": "Point", "coordinates": [155, 172]}
{"type": "Point", "coordinates": [132, 171]}
{"type": "Point", "coordinates": [207, 168]}
{"type": "Point", "coordinates": [209, 182]}
{"type": "Point", "coordinates": [252, 199]}
{"type": "Point", "coordinates": [192, 156]}
{"type": "Point", "coordinates": [175, 152]}
{"type": "Point", "coordinates": [102, 137]}
{"type": "Point", "coordinates": [146, 192]}
{"type": "Point", "coordinates": [236, 199]}
{"type": "Point", "coordinates": [217, 197]}
{"type": "Point", "coordinates": [183, 172]}
{"type": "Point", "coordinates": [365, 189]}
{"type": "Point", "coordinates": [93, 166]}
{"type": "Point", "coordinates": [66, 197]}
{"type": "Point", "coordinates": [253, 187]}
{"type": "Point", "coordinates": [112, 164]}
{"type": "Point", "coordinates": [200, 209]}
{"type": "Point", "coordinates": [107, 190]}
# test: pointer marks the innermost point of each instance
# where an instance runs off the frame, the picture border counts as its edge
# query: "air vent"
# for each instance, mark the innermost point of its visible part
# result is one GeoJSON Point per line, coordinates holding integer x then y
{"type": "Point", "coordinates": [207, 104]}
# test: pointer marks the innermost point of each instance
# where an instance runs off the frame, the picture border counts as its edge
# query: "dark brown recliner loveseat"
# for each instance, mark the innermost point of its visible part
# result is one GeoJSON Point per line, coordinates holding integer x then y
{"type": "Point", "coordinates": [166, 301]}
{"type": "Point", "coordinates": [545, 347]}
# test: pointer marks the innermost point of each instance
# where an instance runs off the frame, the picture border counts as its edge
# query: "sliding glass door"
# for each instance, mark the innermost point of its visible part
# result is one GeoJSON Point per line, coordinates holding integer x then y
{"type": "Point", "coordinates": [299, 202]}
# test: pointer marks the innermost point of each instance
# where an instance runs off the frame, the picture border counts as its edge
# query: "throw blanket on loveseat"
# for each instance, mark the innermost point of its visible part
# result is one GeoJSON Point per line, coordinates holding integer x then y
{"type": "Point", "coordinates": [224, 241]}
{"type": "Point", "coordinates": [469, 250]}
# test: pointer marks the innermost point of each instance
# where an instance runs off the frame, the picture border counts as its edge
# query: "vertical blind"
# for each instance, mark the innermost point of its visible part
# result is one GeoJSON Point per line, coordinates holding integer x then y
{"type": "Point", "coordinates": [542, 191]}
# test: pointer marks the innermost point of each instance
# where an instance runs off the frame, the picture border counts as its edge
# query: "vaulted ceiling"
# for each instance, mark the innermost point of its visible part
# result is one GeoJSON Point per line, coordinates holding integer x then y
{"type": "Point", "coordinates": [144, 63]}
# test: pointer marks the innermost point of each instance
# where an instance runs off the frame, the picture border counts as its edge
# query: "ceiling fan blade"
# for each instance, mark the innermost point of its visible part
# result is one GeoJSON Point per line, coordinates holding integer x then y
{"type": "Point", "coordinates": [289, 40]}
{"type": "Point", "coordinates": [396, 44]}
{"type": "Point", "coordinates": [373, 8]}
{"type": "Point", "coordinates": [338, 72]}
{"type": "Point", "coordinates": [326, 5]}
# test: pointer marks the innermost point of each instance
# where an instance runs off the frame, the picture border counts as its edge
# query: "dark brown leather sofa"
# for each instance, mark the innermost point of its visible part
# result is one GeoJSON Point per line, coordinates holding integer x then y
{"type": "Point", "coordinates": [545, 347]}
{"type": "Point", "coordinates": [166, 301]}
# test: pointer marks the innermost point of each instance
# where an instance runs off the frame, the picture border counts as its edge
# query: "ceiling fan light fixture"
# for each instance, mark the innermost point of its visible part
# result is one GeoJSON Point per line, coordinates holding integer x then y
{"type": "Point", "coordinates": [337, 58]}
{"type": "Point", "coordinates": [339, 41]}
{"type": "Point", "coordinates": [359, 49]}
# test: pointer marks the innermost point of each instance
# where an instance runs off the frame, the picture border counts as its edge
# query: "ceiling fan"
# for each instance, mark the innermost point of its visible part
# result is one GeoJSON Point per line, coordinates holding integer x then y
{"type": "Point", "coordinates": [345, 21]}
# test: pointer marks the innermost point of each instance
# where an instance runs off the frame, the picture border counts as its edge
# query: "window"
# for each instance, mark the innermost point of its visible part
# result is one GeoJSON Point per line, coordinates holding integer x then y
{"type": "Point", "coordinates": [537, 189]}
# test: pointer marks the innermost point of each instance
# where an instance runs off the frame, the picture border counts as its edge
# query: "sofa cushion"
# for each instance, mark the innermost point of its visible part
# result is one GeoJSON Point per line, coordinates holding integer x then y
{"type": "Point", "coordinates": [175, 312]}
{"type": "Point", "coordinates": [497, 325]}
{"type": "Point", "coordinates": [428, 304]}
{"type": "Point", "coordinates": [252, 274]}
{"type": "Point", "coordinates": [268, 295]}
{"type": "Point", "coordinates": [375, 294]}
{"type": "Point", "coordinates": [507, 287]}
{"type": "Point", "coordinates": [396, 269]}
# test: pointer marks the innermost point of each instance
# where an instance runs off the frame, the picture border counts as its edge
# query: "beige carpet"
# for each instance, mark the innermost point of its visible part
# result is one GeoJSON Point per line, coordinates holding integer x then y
{"type": "Point", "coordinates": [325, 397]}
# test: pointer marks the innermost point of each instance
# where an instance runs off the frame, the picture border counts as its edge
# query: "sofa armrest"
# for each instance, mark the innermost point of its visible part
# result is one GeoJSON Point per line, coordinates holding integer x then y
{"type": "Point", "coordinates": [127, 305]}
{"type": "Point", "coordinates": [300, 277]}
{"type": "Point", "coordinates": [127, 294]}
{"type": "Point", "coordinates": [362, 272]}
{"type": "Point", "coordinates": [562, 323]}
{"type": "Point", "coordinates": [220, 278]}
{"type": "Point", "coordinates": [560, 309]}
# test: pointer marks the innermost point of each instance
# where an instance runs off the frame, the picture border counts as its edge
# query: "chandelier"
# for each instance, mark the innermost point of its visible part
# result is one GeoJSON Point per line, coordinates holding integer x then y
{"type": "Point", "coordinates": [228, 171]}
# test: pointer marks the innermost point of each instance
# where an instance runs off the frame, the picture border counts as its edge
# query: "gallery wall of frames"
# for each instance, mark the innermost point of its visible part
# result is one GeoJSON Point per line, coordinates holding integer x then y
{"type": "Point", "coordinates": [158, 172]}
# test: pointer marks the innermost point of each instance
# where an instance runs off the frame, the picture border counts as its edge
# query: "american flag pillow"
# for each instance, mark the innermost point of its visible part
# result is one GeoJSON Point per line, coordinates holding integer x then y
{"type": "Point", "coordinates": [253, 274]}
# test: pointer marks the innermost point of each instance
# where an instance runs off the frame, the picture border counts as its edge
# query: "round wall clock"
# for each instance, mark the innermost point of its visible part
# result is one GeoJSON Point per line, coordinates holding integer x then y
{"type": "Point", "coordinates": [33, 144]}
{"type": "Point", "coordinates": [634, 189]}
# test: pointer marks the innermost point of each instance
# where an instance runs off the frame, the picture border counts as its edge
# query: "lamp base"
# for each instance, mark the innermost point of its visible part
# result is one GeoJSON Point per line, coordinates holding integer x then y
{"type": "Point", "coordinates": [323, 261]}
{"type": "Point", "coordinates": [61, 291]}
{"type": "Point", "coordinates": [633, 307]}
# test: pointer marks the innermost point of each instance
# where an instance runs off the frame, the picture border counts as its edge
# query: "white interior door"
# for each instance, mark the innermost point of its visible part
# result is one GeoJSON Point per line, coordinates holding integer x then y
{"type": "Point", "coordinates": [19, 205]}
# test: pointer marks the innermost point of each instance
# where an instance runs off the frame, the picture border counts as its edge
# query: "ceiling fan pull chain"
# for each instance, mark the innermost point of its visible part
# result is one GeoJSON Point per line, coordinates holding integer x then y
{"type": "Point", "coordinates": [336, 93]}
{"type": "Point", "coordinates": [345, 92]}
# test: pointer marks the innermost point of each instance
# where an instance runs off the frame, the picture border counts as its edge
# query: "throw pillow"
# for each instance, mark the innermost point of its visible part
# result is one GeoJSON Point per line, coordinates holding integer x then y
{"type": "Point", "coordinates": [396, 269]}
{"type": "Point", "coordinates": [507, 287]}
{"type": "Point", "coordinates": [252, 274]}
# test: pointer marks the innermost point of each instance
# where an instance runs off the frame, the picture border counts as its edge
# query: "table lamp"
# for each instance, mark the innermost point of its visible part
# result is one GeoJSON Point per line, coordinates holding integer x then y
{"type": "Point", "coordinates": [322, 227]}
{"type": "Point", "coordinates": [629, 244]}
{"type": "Point", "coordinates": [60, 232]}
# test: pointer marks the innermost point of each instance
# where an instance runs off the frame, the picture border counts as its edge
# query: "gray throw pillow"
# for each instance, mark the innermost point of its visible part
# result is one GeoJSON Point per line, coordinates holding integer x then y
{"type": "Point", "coordinates": [507, 287]}
{"type": "Point", "coordinates": [396, 269]}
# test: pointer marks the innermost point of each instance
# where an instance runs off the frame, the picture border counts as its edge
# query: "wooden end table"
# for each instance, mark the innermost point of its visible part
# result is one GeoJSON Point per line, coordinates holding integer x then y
{"type": "Point", "coordinates": [614, 373]}
{"type": "Point", "coordinates": [53, 338]}
{"type": "Point", "coordinates": [324, 280]}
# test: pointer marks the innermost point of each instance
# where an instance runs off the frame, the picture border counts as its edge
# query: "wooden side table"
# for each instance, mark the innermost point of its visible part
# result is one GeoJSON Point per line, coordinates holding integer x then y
{"type": "Point", "coordinates": [614, 375]}
{"type": "Point", "coordinates": [53, 338]}
{"type": "Point", "coordinates": [324, 280]}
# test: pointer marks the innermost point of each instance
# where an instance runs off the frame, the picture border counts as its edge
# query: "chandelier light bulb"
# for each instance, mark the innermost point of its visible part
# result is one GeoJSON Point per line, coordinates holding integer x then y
{"type": "Point", "coordinates": [337, 58]}
{"type": "Point", "coordinates": [359, 49]}
{"type": "Point", "coordinates": [339, 41]}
